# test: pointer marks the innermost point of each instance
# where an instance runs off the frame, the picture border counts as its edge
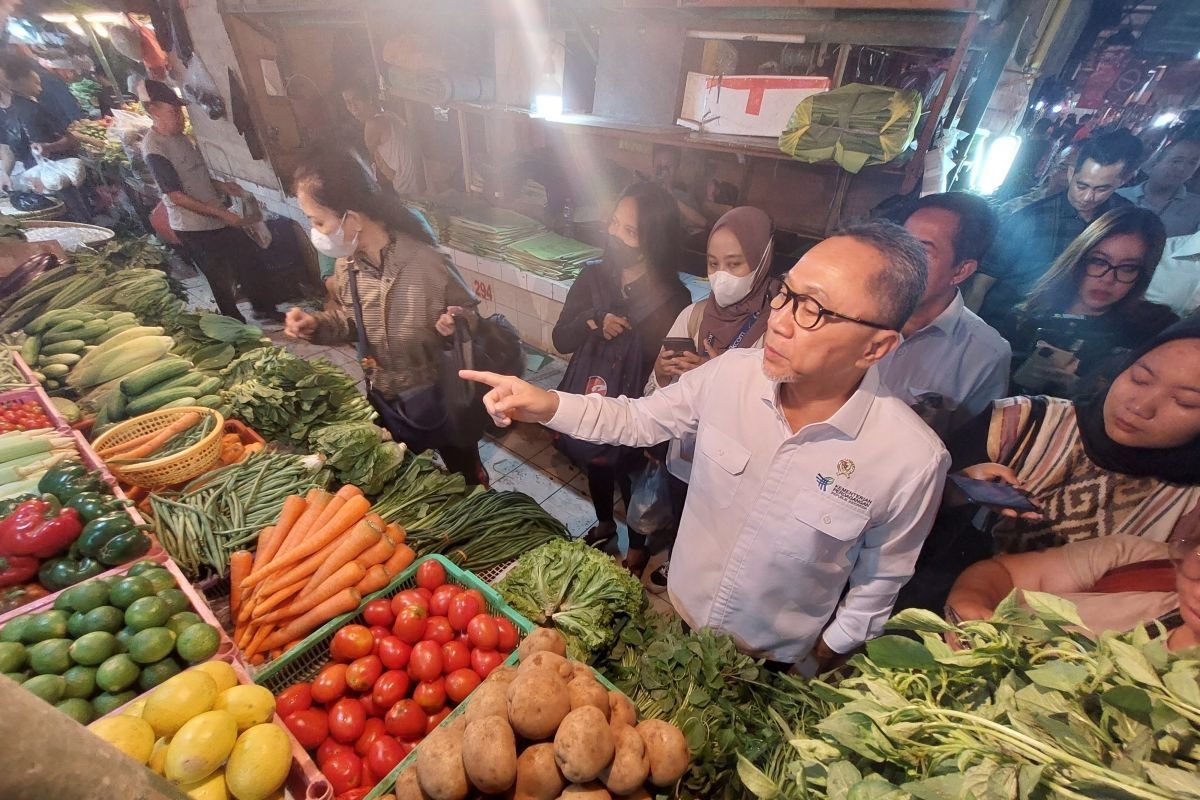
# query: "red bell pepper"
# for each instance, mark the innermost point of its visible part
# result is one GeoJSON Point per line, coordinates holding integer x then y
{"type": "Point", "coordinates": [27, 516]}
{"type": "Point", "coordinates": [17, 569]}
{"type": "Point", "coordinates": [38, 535]}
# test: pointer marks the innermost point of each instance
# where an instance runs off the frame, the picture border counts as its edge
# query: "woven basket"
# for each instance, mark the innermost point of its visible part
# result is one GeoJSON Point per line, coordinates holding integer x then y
{"type": "Point", "coordinates": [177, 468]}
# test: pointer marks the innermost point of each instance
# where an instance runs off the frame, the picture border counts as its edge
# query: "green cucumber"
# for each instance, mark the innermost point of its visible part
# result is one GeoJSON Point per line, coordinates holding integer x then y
{"type": "Point", "coordinates": [148, 378]}
{"type": "Point", "coordinates": [182, 402]}
{"type": "Point", "coordinates": [55, 371]}
{"type": "Point", "coordinates": [113, 330]}
{"type": "Point", "coordinates": [64, 330]}
{"type": "Point", "coordinates": [156, 400]}
{"type": "Point", "coordinates": [67, 346]}
{"type": "Point", "coordinates": [46, 321]}
{"type": "Point", "coordinates": [69, 359]}
{"type": "Point", "coordinates": [31, 348]}
{"type": "Point", "coordinates": [53, 383]}
{"type": "Point", "coordinates": [212, 401]}
{"type": "Point", "coordinates": [92, 331]}
{"type": "Point", "coordinates": [209, 386]}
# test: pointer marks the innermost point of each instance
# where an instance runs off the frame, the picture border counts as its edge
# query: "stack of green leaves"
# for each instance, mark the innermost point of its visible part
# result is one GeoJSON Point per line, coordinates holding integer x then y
{"type": "Point", "coordinates": [421, 492]}
{"type": "Point", "coordinates": [212, 341]}
{"type": "Point", "coordinates": [577, 589]}
{"type": "Point", "coordinates": [1029, 708]}
{"type": "Point", "coordinates": [285, 397]}
{"type": "Point", "coordinates": [359, 455]}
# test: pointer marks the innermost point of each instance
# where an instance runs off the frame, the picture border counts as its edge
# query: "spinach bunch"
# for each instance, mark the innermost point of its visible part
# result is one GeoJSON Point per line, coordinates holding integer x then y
{"type": "Point", "coordinates": [359, 455]}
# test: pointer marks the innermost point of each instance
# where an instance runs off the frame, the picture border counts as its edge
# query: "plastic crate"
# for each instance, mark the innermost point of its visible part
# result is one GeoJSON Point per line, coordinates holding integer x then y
{"type": "Point", "coordinates": [24, 369]}
{"type": "Point", "coordinates": [35, 394]}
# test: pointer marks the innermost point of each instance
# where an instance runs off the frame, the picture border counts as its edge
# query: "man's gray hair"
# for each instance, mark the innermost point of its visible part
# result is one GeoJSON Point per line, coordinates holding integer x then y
{"type": "Point", "coordinates": [896, 289]}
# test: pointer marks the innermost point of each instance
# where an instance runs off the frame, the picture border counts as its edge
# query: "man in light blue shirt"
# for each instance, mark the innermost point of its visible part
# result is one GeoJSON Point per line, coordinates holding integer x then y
{"type": "Point", "coordinates": [813, 488]}
{"type": "Point", "coordinates": [1164, 193]}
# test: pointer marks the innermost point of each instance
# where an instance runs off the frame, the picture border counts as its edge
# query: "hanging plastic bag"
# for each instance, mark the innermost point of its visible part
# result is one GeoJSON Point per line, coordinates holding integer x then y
{"type": "Point", "coordinates": [200, 88]}
{"type": "Point", "coordinates": [650, 506]}
{"type": "Point", "coordinates": [53, 176]}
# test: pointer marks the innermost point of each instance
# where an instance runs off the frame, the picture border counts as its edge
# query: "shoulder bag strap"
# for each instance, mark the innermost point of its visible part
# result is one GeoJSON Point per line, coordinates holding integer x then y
{"type": "Point", "coordinates": [695, 318]}
{"type": "Point", "coordinates": [361, 345]}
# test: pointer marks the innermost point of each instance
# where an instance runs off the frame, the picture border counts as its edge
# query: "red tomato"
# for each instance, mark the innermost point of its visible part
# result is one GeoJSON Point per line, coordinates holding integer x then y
{"type": "Point", "coordinates": [461, 683]}
{"type": "Point", "coordinates": [409, 597]}
{"type": "Point", "coordinates": [351, 642]}
{"type": "Point", "coordinates": [483, 632]}
{"type": "Point", "coordinates": [363, 672]}
{"type": "Point", "coordinates": [370, 707]}
{"type": "Point", "coordinates": [344, 772]}
{"type": "Point", "coordinates": [410, 624]}
{"type": "Point", "coordinates": [426, 661]}
{"type": "Point", "coordinates": [391, 688]}
{"type": "Point", "coordinates": [354, 794]}
{"type": "Point", "coordinates": [379, 633]}
{"type": "Point", "coordinates": [430, 575]}
{"type": "Point", "coordinates": [379, 612]}
{"type": "Point", "coordinates": [293, 698]}
{"type": "Point", "coordinates": [330, 683]}
{"type": "Point", "coordinates": [464, 638]}
{"type": "Point", "coordinates": [406, 720]}
{"type": "Point", "coordinates": [439, 604]}
{"type": "Point", "coordinates": [455, 655]}
{"type": "Point", "coordinates": [463, 609]}
{"type": "Point", "coordinates": [309, 726]}
{"type": "Point", "coordinates": [330, 748]}
{"type": "Point", "coordinates": [372, 730]}
{"type": "Point", "coordinates": [368, 778]}
{"type": "Point", "coordinates": [484, 661]}
{"type": "Point", "coordinates": [347, 719]}
{"type": "Point", "coordinates": [431, 695]}
{"type": "Point", "coordinates": [394, 653]}
{"type": "Point", "coordinates": [478, 595]}
{"type": "Point", "coordinates": [384, 755]}
{"type": "Point", "coordinates": [438, 629]}
{"type": "Point", "coordinates": [506, 634]}
{"type": "Point", "coordinates": [433, 720]}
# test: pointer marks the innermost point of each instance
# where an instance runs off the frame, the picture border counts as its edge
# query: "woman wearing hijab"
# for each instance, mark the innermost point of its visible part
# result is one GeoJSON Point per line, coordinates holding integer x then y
{"type": "Point", "coordinates": [740, 248]}
{"type": "Point", "coordinates": [1124, 461]}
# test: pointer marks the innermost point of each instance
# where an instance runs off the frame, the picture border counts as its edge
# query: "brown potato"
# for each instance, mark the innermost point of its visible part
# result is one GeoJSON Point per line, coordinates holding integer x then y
{"type": "Point", "coordinates": [621, 710]}
{"type": "Point", "coordinates": [667, 749]}
{"type": "Point", "coordinates": [440, 768]}
{"type": "Point", "coordinates": [580, 668]}
{"type": "Point", "coordinates": [408, 787]}
{"type": "Point", "coordinates": [630, 765]}
{"type": "Point", "coordinates": [489, 754]}
{"type": "Point", "coordinates": [502, 674]}
{"type": "Point", "coordinates": [537, 702]}
{"type": "Point", "coordinates": [541, 639]}
{"type": "Point", "coordinates": [490, 699]}
{"type": "Point", "coordinates": [639, 794]}
{"type": "Point", "coordinates": [538, 777]}
{"type": "Point", "coordinates": [547, 660]}
{"type": "Point", "coordinates": [585, 690]}
{"type": "Point", "coordinates": [590, 791]}
{"type": "Point", "coordinates": [583, 745]}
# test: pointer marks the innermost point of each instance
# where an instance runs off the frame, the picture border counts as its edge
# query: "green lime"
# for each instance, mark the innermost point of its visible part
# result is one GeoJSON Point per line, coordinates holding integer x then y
{"type": "Point", "coordinates": [198, 643]}
{"type": "Point", "coordinates": [175, 599]}
{"type": "Point", "coordinates": [14, 629]}
{"type": "Point", "coordinates": [104, 618]}
{"type": "Point", "coordinates": [19, 677]}
{"type": "Point", "coordinates": [152, 644]}
{"type": "Point", "coordinates": [93, 648]}
{"type": "Point", "coordinates": [124, 637]}
{"type": "Point", "coordinates": [122, 593]}
{"type": "Point", "coordinates": [81, 682]}
{"type": "Point", "coordinates": [86, 596]}
{"type": "Point", "coordinates": [108, 702]}
{"type": "Point", "coordinates": [141, 566]}
{"type": "Point", "coordinates": [48, 687]}
{"type": "Point", "coordinates": [50, 657]}
{"type": "Point", "coordinates": [12, 656]}
{"type": "Point", "coordinates": [183, 620]}
{"type": "Point", "coordinates": [62, 603]}
{"type": "Point", "coordinates": [77, 709]}
{"type": "Point", "coordinates": [147, 612]}
{"type": "Point", "coordinates": [46, 625]}
{"type": "Point", "coordinates": [154, 674]}
{"type": "Point", "coordinates": [159, 578]}
{"type": "Point", "coordinates": [76, 625]}
{"type": "Point", "coordinates": [117, 674]}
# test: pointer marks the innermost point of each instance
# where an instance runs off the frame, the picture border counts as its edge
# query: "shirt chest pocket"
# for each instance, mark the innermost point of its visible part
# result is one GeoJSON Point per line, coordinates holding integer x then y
{"type": "Point", "coordinates": [724, 460]}
{"type": "Point", "coordinates": [822, 530]}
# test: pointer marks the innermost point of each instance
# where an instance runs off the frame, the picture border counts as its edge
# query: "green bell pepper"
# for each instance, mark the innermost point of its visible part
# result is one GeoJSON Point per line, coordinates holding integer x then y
{"type": "Point", "coordinates": [97, 533]}
{"type": "Point", "coordinates": [124, 547]}
{"type": "Point", "coordinates": [67, 479]}
{"type": "Point", "coordinates": [59, 573]}
{"type": "Point", "coordinates": [92, 505]}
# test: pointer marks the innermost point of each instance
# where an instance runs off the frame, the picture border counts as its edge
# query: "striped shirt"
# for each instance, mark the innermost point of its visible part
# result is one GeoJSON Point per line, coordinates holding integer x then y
{"type": "Point", "coordinates": [402, 299]}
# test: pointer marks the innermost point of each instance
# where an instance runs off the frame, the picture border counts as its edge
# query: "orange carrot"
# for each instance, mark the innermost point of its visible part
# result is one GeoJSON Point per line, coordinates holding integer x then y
{"type": "Point", "coordinates": [346, 577]}
{"type": "Point", "coordinates": [293, 508]}
{"type": "Point", "coordinates": [378, 521]}
{"type": "Point", "coordinates": [348, 491]}
{"type": "Point", "coordinates": [299, 573]}
{"type": "Point", "coordinates": [258, 643]}
{"type": "Point", "coordinates": [275, 599]}
{"type": "Point", "coordinates": [377, 553]}
{"type": "Point", "coordinates": [248, 606]}
{"type": "Point", "coordinates": [317, 500]}
{"type": "Point", "coordinates": [375, 579]}
{"type": "Point", "coordinates": [397, 533]}
{"type": "Point", "coordinates": [342, 602]}
{"type": "Point", "coordinates": [331, 508]}
{"type": "Point", "coordinates": [276, 653]}
{"type": "Point", "coordinates": [341, 522]}
{"type": "Point", "coordinates": [258, 660]}
{"type": "Point", "coordinates": [402, 556]}
{"type": "Point", "coordinates": [361, 537]}
{"type": "Point", "coordinates": [239, 568]}
{"type": "Point", "coordinates": [160, 438]}
{"type": "Point", "coordinates": [117, 449]}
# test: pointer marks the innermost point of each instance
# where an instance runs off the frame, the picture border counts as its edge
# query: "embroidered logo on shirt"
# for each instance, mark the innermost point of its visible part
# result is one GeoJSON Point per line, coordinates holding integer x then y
{"type": "Point", "coordinates": [845, 468]}
{"type": "Point", "coordinates": [596, 385]}
{"type": "Point", "coordinates": [823, 483]}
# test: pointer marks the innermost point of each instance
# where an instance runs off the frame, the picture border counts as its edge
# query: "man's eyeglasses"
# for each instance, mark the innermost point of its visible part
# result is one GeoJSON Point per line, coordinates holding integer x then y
{"type": "Point", "coordinates": [1186, 557]}
{"type": "Point", "coordinates": [1125, 273]}
{"type": "Point", "coordinates": [808, 312]}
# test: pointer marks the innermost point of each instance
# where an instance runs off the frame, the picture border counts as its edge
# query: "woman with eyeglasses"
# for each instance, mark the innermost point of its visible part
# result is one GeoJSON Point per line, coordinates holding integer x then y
{"type": "Point", "coordinates": [1089, 308]}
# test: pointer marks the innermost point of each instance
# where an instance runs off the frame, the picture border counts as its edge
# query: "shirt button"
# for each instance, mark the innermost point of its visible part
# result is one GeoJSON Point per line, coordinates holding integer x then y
{"type": "Point", "coordinates": [828, 520]}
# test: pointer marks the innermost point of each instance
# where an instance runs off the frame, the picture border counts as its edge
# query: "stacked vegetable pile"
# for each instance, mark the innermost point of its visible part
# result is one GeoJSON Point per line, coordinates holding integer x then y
{"type": "Point", "coordinates": [576, 739]}
{"type": "Point", "coordinates": [25, 415]}
{"type": "Point", "coordinates": [103, 642]}
{"type": "Point", "coordinates": [168, 382]}
{"type": "Point", "coordinates": [421, 492]}
{"type": "Point", "coordinates": [213, 341]}
{"type": "Point", "coordinates": [388, 685]}
{"type": "Point", "coordinates": [359, 454]}
{"type": "Point", "coordinates": [207, 733]}
{"type": "Point", "coordinates": [578, 590]}
{"type": "Point", "coordinates": [1029, 708]}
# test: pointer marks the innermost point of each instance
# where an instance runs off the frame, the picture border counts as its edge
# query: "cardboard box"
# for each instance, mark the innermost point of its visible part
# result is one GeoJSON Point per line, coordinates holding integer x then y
{"type": "Point", "coordinates": [745, 105]}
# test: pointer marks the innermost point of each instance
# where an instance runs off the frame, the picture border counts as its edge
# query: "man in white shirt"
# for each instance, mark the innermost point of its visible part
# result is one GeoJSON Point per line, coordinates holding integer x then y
{"type": "Point", "coordinates": [951, 364]}
{"type": "Point", "coordinates": [1176, 281]}
{"type": "Point", "coordinates": [813, 488]}
{"type": "Point", "coordinates": [1164, 193]}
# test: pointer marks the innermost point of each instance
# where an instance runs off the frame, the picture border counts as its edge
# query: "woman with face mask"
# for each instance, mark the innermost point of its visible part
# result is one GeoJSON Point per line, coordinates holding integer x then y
{"type": "Point", "coordinates": [1089, 309]}
{"type": "Point", "coordinates": [634, 292]}
{"type": "Point", "coordinates": [408, 294]}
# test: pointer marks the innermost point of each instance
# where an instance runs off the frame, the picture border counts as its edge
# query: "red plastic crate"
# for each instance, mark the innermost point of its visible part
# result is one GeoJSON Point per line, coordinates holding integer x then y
{"type": "Point", "coordinates": [37, 395]}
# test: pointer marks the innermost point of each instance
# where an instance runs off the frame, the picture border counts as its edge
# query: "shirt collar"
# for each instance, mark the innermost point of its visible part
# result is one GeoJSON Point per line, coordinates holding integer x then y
{"type": "Point", "coordinates": [1188, 245]}
{"type": "Point", "coordinates": [848, 419]}
{"type": "Point", "coordinates": [946, 321]}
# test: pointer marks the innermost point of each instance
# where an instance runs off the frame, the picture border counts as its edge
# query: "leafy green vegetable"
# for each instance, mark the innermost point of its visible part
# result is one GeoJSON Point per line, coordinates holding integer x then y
{"type": "Point", "coordinates": [420, 493]}
{"type": "Point", "coordinates": [577, 589]}
{"type": "Point", "coordinates": [359, 454]}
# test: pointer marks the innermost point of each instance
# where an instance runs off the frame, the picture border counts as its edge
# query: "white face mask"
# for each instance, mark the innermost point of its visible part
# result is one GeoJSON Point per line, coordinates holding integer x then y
{"type": "Point", "coordinates": [728, 289]}
{"type": "Point", "coordinates": [334, 246]}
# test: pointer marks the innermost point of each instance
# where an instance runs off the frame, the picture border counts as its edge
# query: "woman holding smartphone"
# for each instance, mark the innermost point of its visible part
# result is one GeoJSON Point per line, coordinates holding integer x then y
{"type": "Point", "coordinates": [1123, 461]}
{"type": "Point", "coordinates": [1089, 309]}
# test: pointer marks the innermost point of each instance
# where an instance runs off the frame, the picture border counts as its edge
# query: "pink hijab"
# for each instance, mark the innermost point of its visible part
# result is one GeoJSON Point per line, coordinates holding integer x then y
{"type": "Point", "coordinates": [752, 228]}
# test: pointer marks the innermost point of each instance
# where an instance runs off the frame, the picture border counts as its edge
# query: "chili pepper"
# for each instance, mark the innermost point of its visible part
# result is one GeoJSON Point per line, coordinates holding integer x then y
{"type": "Point", "coordinates": [67, 479]}
{"type": "Point", "coordinates": [53, 535]}
{"type": "Point", "coordinates": [99, 531]}
{"type": "Point", "coordinates": [124, 547]}
{"type": "Point", "coordinates": [59, 573]}
{"type": "Point", "coordinates": [17, 569]}
{"type": "Point", "coordinates": [91, 505]}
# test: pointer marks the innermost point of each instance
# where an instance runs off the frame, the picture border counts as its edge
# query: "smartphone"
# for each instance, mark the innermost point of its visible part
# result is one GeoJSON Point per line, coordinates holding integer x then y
{"type": "Point", "coordinates": [992, 493]}
{"type": "Point", "coordinates": [680, 344]}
